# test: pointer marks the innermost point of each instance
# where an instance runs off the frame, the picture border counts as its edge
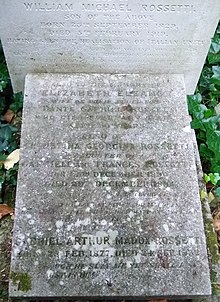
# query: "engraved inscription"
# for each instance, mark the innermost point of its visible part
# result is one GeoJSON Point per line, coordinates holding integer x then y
{"type": "Point", "coordinates": [114, 36]}
{"type": "Point", "coordinates": [106, 198]}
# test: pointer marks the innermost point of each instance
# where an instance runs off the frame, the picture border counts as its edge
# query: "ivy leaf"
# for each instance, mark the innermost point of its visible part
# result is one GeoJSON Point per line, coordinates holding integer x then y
{"type": "Point", "coordinates": [213, 143]}
{"type": "Point", "coordinates": [204, 81]}
{"type": "Point", "coordinates": [3, 157]}
{"type": "Point", "coordinates": [215, 165]}
{"type": "Point", "coordinates": [208, 113]}
{"type": "Point", "coordinates": [193, 100]}
{"type": "Point", "coordinates": [216, 75]}
{"type": "Point", "coordinates": [217, 192]}
{"type": "Point", "coordinates": [214, 58]}
{"type": "Point", "coordinates": [205, 151]}
{"type": "Point", "coordinates": [214, 178]}
{"type": "Point", "coordinates": [215, 47]}
{"type": "Point", "coordinates": [206, 178]}
{"type": "Point", "coordinates": [203, 194]}
{"type": "Point", "coordinates": [211, 124]}
{"type": "Point", "coordinates": [7, 139]}
{"type": "Point", "coordinates": [214, 51]}
{"type": "Point", "coordinates": [17, 103]}
{"type": "Point", "coordinates": [197, 124]}
{"type": "Point", "coordinates": [216, 71]}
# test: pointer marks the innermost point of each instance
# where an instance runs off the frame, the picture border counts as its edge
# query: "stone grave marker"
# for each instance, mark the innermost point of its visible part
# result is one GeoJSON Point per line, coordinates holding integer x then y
{"type": "Point", "coordinates": [108, 203]}
{"type": "Point", "coordinates": [118, 36]}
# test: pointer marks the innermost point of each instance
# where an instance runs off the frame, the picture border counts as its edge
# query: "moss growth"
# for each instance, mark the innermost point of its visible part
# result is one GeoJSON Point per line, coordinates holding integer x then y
{"type": "Point", "coordinates": [6, 225]}
{"type": "Point", "coordinates": [149, 164]}
{"type": "Point", "coordinates": [23, 280]}
{"type": "Point", "coordinates": [126, 125]}
{"type": "Point", "coordinates": [215, 285]}
{"type": "Point", "coordinates": [211, 237]}
{"type": "Point", "coordinates": [127, 108]}
{"type": "Point", "coordinates": [213, 248]}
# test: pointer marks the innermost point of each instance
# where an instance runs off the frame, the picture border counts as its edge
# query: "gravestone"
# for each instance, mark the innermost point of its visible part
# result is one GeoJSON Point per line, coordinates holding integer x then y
{"type": "Point", "coordinates": [118, 36]}
{"type": "Point", "coordinates": [107, 202]}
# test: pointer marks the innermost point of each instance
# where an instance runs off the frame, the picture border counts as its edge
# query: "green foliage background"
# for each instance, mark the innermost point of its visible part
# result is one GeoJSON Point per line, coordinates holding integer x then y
{"type": "Point", "coordinates": [204, 107]}
{"type": "Point", "coordinates": [9, 133]}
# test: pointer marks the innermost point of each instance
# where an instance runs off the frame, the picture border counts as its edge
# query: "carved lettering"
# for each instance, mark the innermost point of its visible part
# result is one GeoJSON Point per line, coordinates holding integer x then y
{"type": "Point", "coordinates": [53, 7]}
{"type": "Point", "coordinates": [101, 7]}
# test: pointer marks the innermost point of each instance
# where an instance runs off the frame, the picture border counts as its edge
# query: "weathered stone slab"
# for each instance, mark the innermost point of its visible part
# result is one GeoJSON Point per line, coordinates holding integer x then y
{"type": "Point", "coordinates": [108, 201]}
{"type": "Point", "coordinates": [118, 36]}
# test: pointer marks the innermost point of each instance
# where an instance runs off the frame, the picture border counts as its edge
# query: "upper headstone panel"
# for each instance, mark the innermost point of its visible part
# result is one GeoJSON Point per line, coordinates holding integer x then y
{"type": "Point", "coordinates": [114, 36]}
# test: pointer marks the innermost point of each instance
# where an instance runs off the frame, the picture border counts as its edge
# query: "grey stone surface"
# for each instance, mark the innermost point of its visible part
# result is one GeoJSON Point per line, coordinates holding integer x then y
{"type": "Point", "coordinates": [212, 242]}
{"type": "Point", "coordinates": [118, 36]}
{"type": "Point", "coordinates": [108, 201]}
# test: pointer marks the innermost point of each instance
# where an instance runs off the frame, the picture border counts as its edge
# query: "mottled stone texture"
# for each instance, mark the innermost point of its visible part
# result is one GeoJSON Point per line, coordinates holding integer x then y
{"type": "Point", "coordinates": [117, 36]}
{"type": "Point", "coordinates": [108, 200]}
